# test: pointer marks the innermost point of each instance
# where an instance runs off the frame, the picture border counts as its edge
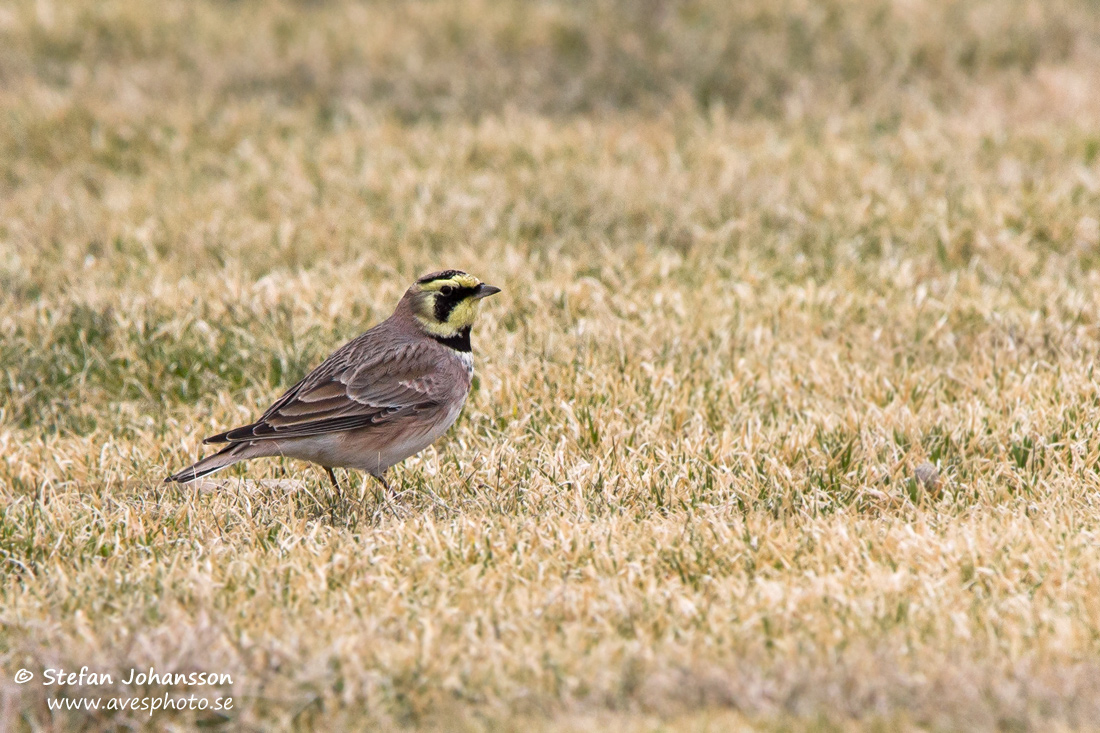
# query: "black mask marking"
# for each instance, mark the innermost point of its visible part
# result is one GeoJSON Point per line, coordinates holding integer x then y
{"type": "Point", "coordinates": [444, 304]}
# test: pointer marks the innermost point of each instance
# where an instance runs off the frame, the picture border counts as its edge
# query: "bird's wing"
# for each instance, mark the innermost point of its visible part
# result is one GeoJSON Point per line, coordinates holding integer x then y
{"type": "Point", "coordinates": [352, 389]}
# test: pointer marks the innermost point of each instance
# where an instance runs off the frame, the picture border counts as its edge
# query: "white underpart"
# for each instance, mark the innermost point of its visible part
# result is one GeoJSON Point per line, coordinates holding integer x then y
{"type": "Point", "coordinates": [468, 362]}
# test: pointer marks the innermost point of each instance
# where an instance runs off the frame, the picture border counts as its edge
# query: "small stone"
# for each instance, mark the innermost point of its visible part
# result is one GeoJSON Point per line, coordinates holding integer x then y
{"type": "Point", "coordinates": [928, 476]}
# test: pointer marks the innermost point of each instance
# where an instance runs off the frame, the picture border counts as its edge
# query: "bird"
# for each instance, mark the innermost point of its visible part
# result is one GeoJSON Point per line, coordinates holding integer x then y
{"type": "Point", "coordinates": [378, 399]}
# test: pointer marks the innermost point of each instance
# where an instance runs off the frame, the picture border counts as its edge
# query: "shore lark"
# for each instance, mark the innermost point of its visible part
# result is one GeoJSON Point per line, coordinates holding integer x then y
{"type": "Point", "coordinates": [380, 398]}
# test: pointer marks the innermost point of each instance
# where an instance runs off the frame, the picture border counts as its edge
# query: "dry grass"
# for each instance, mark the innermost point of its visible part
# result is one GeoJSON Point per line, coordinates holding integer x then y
{"type": "Point", "coordinates": [759, 264]}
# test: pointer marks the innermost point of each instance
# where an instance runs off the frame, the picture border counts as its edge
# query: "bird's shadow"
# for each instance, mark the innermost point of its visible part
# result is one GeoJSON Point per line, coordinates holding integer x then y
{"type": "Point", "coordinates": [357, 502]}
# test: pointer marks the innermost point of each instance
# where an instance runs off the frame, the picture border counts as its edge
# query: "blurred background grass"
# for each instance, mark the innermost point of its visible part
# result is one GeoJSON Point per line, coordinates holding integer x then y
{"type": "Point", "coordinates": [429, 60]}
{"type": "Point", "coordinates": [126, 91]}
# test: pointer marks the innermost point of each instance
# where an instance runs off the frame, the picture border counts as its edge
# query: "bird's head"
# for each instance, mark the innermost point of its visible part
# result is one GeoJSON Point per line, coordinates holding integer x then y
{"type": "Point", "coordinates": [445, 303]}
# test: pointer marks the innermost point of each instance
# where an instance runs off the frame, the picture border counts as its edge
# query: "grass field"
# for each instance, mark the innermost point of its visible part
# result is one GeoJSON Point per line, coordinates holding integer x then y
{"type": "Point", "coordinates": [760, 261]}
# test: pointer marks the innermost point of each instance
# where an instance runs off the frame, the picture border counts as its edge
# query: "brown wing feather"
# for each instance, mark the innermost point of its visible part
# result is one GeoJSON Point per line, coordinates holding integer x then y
{"type": "Point", "coordinates": [357, 387]}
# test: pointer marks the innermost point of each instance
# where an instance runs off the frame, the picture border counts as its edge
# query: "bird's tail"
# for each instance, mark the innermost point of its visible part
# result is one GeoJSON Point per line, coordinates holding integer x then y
{"type": "Point", "coordinates": [225, 457]}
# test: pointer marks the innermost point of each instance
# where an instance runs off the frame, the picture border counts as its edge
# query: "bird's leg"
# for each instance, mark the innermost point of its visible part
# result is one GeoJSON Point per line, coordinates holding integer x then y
{"type": "Point", "coordinates": [385, 485]}
{"type": "Point", "coordinates": [334, 495]}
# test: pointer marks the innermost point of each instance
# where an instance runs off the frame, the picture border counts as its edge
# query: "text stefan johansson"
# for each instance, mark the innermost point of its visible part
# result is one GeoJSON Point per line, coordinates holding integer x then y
{"type": "Point", "coordinates": [152, 677]}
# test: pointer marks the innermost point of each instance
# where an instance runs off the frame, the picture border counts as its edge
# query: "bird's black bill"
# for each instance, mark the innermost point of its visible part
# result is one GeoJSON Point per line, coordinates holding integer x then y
{"type": "Point", "coordinates": [484, 291]}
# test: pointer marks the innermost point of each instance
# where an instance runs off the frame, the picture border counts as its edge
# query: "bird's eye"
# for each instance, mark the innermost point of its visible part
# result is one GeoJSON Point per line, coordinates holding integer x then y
{"type": "Point", "coordinates": [446, 290]}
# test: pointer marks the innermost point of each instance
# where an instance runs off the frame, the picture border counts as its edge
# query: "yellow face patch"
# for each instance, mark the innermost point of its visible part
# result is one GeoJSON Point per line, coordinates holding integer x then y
{"type": "Point", "coordinates": [447, 302]}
